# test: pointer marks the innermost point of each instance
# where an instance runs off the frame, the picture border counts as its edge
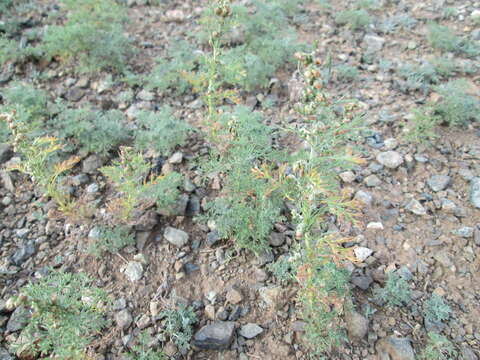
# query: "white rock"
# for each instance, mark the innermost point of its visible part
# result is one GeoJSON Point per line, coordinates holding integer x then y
{"type": "Point", "coordinates": [362, 253]}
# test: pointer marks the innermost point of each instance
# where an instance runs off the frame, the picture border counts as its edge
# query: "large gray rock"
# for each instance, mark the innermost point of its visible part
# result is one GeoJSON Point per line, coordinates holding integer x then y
{"type": "Point", "coordinates": [18, 320]}
{"type": "Point", "coordinates": [415, 207]}
{"type": "Point", "coordinates": [357, 325]}
{"type": "Point", "coordinates": [475, 192]}
{"type": "Point", "coordinates": [373, 43]}
{"type": "Point", "coordinates": [91, 164]}
{"type": "Point", "coordinates": [393, 348]}
{"type": "Point", "coordinates": [390, 159]}
{"type": "Point", "coordinates": [176, 237]}
{"type": "Point", "coordinates": [123, 319]}
{"type": "Point", "coordinates": [215, 336]}
{"type": "Point", "coordinates": [24, 253]}
{"type": "Point", "coordinates": [134, 271]}
{"type": "Point", "coordinates": [439, 182]}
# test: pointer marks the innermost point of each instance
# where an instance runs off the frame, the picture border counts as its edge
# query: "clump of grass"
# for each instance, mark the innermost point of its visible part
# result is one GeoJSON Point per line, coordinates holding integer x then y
{"type": "Point", "coordinates": [93, 34]}
{"type": "Point", "coordinates": [160, 131]}
{"type": "Point", "coordinates": [354, 19]}
{"type": "Point", "coordinates": [179, 326]}
{"type": "Point", "coordinates": [442, 38]}
{"type": "Point", "coordinates": [422, 128]}
{"type": "Point", "coordinates": [67, 312]}
{"type": "Point", "coordinates": [422, 76]}
{"type": "Point", "coordinates": [396, 291]}
{"type": "Point", "coordinates": [111, 240]}
{"type": "Point", "coordinates": [438, 348]}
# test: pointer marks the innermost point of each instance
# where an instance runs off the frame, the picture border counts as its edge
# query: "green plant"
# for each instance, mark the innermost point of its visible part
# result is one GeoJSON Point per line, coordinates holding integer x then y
{"type": "Point", "coordinates": [284, 269]}
{"type": "Point", "coordinates": [438, 348]}
{"type": "Point", "coordinates": [442, 38]}
{"type": "Point", "coordinates": [396, 291]}
{"type": "Point", "coordinates": [422, 76]}
{"type": "Point", "coordinates": [143, 351]}
{"type": "Point", "coordinates": [346, 73]}
{"type": "Point", "coordinates": [66, 313]}
{"type": "Point", "coordinates": [11, 51]}
{"type": "Point", "coordinates": [179, 326]}
{"type": "Point", "coordinates": [169, 73]}
{"type": "Point", "coordinates": [39, 161]}
{"type": "Point", "coordinates": [436, 309]}
{"type": "Point", "coordinates": [111, 240]}
{"type": "Point", "coordinates": [449, 12]}
{"type": "Point", "coordinates": [355, 19]}
{"type": "Point", "coordinates": [93, 34]}
{"type": "Point", "coordinates": [130, 175]}
{"type": "Point", "coordinates": [422, 126]}
{"type": "Point", "coordinates": [457, 106]}
{"type": "Point", "coordinates": [90, 130]}
{"type": "Point", "coordinates": [160, 131]}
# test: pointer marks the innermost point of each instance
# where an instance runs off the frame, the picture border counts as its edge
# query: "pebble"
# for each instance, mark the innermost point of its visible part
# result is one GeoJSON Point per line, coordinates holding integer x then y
{"type": "Point", "coordinates": [134, 271]}
{"type": "Point", "coordinates": [176, 237]}
{"type": "Point", "coordinates": [439, 182]}
{"type": "Point", "coordinates": [465, 232]}
{"type": "Point", "coordinates": [123, 319]}
{"type": "Point", "coordinates": [375, 226]}
{"type": "Point", "coordinates": [364, 197]}
{"type": "Point", "coordinates": [390, 159]}
{"type": "Point", "coordinates": [23, 253]}
{"type": "Point", "coordinates": [276, 239]}
{"type": "Point", "coordinates": [362, 253]}
{"type": "Point", "coordinates": [372, 181]}
{"type": "Point", "coordinates": [145, 95]}
{"type": "Point", "coordinates": [347, 176]}
{"type": "Point", "coordinates": [357, 325]}
{"type": "Point", "coordinates": [475, 192]}
{"type": "Point", "coordinates": [250, 330]}
{"type": "Point", "coordinates": [234, 296]}
{"type": "Point", "coordinates": [415, 207]}
{"type": "Point", "coordinates": [215, 336]}
{"type": "Point", "coordinates": [18, 320]}
{"type": "Point", "coordinates": [176, 158]}
{"type": "Point", "coordinates": [91, 164]}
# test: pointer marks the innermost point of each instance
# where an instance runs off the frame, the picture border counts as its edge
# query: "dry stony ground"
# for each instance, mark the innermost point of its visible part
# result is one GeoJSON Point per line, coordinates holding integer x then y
{"type": "Point", "coordinates": [417, 212]}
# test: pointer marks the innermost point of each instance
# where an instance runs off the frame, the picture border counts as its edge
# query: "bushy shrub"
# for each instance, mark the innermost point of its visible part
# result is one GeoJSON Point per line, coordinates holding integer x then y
{"type": "Point", "coordinates": [179, 326]}
{"type": "Point", "coordinates": [438, 348]}
{"type": "Point", "coordinates": [93, 34]}
{"type": "Point", "coordinates": [111, 240]}
{"type": "Point", "coordinates": [396, 291]}
{"type": "Point", "coordinates": [67, 312]}
{"type": "Point", "coordinates": [355, 19]}
{"type": "Point", "coordinates": [436, 309]}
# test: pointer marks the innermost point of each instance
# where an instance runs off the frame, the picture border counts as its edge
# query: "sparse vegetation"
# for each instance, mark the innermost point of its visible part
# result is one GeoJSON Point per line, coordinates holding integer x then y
{"type": "Point", "coordinates": [436, 309]}
{"type": "Point", "coordinates": [66, 312]}
{"type": "Point", "coordinates": [438, 348]}
{"type": "Point", "coordinates": [444, 39]}
{"type": "Point", "coordinates": [422, 127]}
{"type": "Point", "coordinates": [143, 349]}
{"type": "Point", "coordinates": [354, 19]}
{"type": "Point", "coordinates": [346, 73]}
{"type": "Point", "coordinates": [111, 240]}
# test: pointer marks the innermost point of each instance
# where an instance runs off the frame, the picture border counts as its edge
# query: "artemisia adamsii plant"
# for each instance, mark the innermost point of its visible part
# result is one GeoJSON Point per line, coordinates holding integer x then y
{"type": "Point", "coordinates": [315, 191]}
{"type": "Point", "coordinates": [38, 161]}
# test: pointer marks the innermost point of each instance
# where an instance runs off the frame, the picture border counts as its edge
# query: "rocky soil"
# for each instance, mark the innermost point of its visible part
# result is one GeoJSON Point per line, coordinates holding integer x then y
{"type": "Point", "coordinates": [420, 210]}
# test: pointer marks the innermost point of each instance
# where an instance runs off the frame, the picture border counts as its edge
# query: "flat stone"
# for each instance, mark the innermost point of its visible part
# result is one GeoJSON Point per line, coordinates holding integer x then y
{"type": "Point", "coordinates": [372, 181]}
{"type": "Point", "coordinates": [362, 281]}
{"type": "Point", "coordinates": [390, 159]}
{"type": "Point", "coordinates": [234, 296]}
{"type": "Point", "coordinates": [176, 237]}
{"type": "Point", "coordinates": [439, 182]}
{"type": "Point", "coordinates": [145, 95]}
{"type": "Point", "coordinates": [276, 239]}
{"type": "Point", "coordinates": [347, 176]}
{"type": "Point", "coordinates": [465, 232]}
{"type": "Point", "coordinates": [123, 319]}
{"type": "Point", "coordinates": [75, 94]}
{"type": "Point", "coordinates": [364, 197]}
{"type": "Point", "coordinates": [250, 330]}
{"type": "Point", "coordinates": [373, 43]}
{"type": "Point", "coordinates": [4, 354]}
{"type": "Point", "coordinates": [134, 271]}
{"type": "Point", "coordinates": [215, 336]}
{"type": "Point", "coordinates": [176, 158]}
{"type": "Point", "coordinates": [23, 253]}
{"type": "Point", "coordinates": [91, 164]}
{"type": "Point", "coordinates": [475, 192]}
{"type": "Point", "coordinates": [394, 348]}
{"type": "Point", "coordinates": [272, 296]}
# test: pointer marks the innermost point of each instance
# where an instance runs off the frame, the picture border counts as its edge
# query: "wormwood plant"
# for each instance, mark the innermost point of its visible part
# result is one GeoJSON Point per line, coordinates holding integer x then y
{"type": "Point", "coordinates": [438, 348]}
{"type": "Point", "coordinates": [89, 130]}
{"type": "Point", "coordinates": [396, 291]}
{"type": "Point", "coordinates": [442, 38]}
{"type": "Point", "coordinates": [66, 312]}
{"type": "Point", "coordinates": [436, 309]}
{"type": "Point", "coordinates": [346, 72]}
{"type": "Point", "coordinates": [179, 326]}
{"type": "Point", "coordinates": [314, 189]}
{"type": "Point", "coordinates": [355, 19]}
{"type": "Point", "coordinates": [422, 128]}
{"type": "Point", "coordinates": [39, 161]}
{"type": "Point", "coordinates": [93, 34]}
{"type": "Point", "coordinates": [130, 175]}
{"type": "Point", "coordinates": [143, 351]}
{"type": "Point", "coordinates": [457, 106]}
{"type": "Point", "coordinates": [422, 76]}
{"type": "Point", "coordinates": [111, 240]}
{"type": "Point", "coordinates": [160, 131]}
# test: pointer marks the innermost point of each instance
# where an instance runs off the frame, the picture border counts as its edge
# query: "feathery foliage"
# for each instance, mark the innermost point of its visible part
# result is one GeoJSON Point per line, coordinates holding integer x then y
{"type": "Point", "coordinates": [143, 351]}
{"type": "Point", "coordinates": [355, 19]}
{"type": "Point", "coordinates": [444, 39]}
{"type": "Point", "coordinates": [179, 326]}
{"type": "Point", "coordinates": [92, 34]}
{"type": "Point", "coordinates": [111, 240]}
{"type": "Point", "coordinates": [396, 291]}
{"type": "Point", "coordinates": [438, 348]}
{"type": "Point", "coordinates": [436, 309]}
{"type": "Point", "coordinates": [67, 311]}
